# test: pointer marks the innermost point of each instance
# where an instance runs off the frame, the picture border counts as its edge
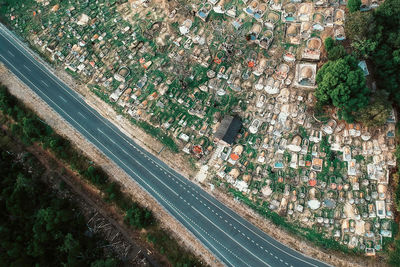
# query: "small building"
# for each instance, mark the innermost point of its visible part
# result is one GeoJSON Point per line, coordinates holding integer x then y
{"type": "Point", "coordinates": [380, 209]}
{"type": "Point", "coordinates": [228, 129]}
{"type": "Point", "coordinates": [363, 65]}
{"type": "Point", "coordinates": [317, 164]}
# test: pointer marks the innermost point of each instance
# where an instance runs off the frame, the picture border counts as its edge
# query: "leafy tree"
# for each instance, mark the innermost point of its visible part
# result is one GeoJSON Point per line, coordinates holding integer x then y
{"type": "Point", "coordinates": [342, 84]}
{"type": "Point", "coordinates": [96, 175]}
{"type": "Point", "coordinates": [36, 227]}
{"type": "Point", "coordinates": [109, 262]}
{"type": "Point", "coordinates": [359, 26]}
{"type": "Point", "coordinates": [394, 256]}
{"type": "Point", "coordinates": [138, 217]}
{"type": "Point", "coordinates": [376, 113]}
{"type": "Point", "coordinates": [334, 49]}
{"type": "Point", "coordinates": [353, 5]}
{"type": "Point", "coordinates": [364, 48]}
{"type": "Point", "coordinates": [386, 58]}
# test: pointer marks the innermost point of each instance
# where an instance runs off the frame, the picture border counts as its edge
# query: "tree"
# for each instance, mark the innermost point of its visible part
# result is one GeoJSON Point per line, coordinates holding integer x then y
{"type": "Point", "coordinates": [376, 113]}
{"type": "Point", "coordinates": [364, 48]}
{"type": "Point", "coordinates": [394, 256]}
{"type": "Point", "coordinates": [353, 5]}
{"type": "Point", "coordinates": [342, 84]}
{"type": "Point", "coordinates": [386, 58]}
{"type": "Point", "coordinates": [109, 262]}
{"type": "Point", "coordinates": [334, 49]}
{"type": "Point", "coordinates": [138, 217]}
{"type": "Point", "coordinates": [359, 26]}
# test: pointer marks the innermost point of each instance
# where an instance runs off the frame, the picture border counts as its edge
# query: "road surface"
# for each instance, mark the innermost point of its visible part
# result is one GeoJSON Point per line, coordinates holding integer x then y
{"type": "Point", "coordinates": [232, 239]}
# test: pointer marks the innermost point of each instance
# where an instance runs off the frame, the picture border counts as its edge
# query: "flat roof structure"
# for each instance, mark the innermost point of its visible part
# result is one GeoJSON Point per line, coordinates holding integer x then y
{"type": "Point", "coordinates": [228, 129]}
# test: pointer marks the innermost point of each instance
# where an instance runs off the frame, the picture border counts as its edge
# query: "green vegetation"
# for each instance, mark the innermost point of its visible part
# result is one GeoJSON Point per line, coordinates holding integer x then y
{"type": "Point", "coordinates": [334, 49]}
{"type": "Point", "coordinates": [353, 5]}
{"type": "Point", "coordinates": [25, 125]}
{"type": "Point", "coordinates": [386, 57]}
{"type": "Point", "coordinates": [36, 226]}
{"type": "Point", "coordinates": [358, 27]}
{"type": "Point", "coordinates": [341, 83]}
{"type": "Point", "coordinates": [159, 135]}
{"type": "Point", "coordinates": [394, 256]}
{"type": "Point", "coordinates": [375, 35]}
{"type": "Point", "coordinates": [376, 113]}
{"type": "Point", "coordinates": [309, 234]}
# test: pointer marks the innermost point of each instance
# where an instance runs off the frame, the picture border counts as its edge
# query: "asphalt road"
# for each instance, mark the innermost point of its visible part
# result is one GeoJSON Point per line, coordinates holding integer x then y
{"type": "Point", "coordinates": [232, 239]}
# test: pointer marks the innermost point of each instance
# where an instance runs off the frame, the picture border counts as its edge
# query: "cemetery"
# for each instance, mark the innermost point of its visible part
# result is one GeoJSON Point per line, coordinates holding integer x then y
{"type": "Point", "coordinates": [231, 83]}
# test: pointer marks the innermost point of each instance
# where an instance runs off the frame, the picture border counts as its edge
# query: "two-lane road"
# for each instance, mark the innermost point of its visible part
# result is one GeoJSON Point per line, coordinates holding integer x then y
{"type": "Point", "coordinates": [232, 239]}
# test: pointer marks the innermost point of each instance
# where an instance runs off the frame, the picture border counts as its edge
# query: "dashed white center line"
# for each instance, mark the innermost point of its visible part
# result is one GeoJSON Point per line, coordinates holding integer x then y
{"type": "Point", "coordinates": [80, 114]}
{"type": "Point", "coordinates": [44, 83]}
{"type": "Point", "coordinates": [27, 67]}
{"type": "Point", "coordinates": [10, 53]}
{"type": "Point", "coordinates": [63, 99]}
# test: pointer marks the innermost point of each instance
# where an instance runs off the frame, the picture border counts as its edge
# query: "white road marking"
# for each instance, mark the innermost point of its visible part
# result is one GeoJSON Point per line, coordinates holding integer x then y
{"type": "Point", "coordinates": [10, 53]}
{"type": "Point", "coordinates": [65, 100]}
{"type": "Point", "coordinates": [44, 83]}
{"type": "Point", "coordinates": [26, 67]}
{"type": "Point", "coordinates": [81, 115]}
{"type": "Point", "coordinates": [107, 123]}
{"type": "Point", "coordinates": [255, 256]}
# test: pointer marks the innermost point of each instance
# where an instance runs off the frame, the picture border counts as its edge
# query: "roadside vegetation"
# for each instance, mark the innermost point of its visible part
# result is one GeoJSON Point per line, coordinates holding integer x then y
{"type": "Point", "coordinates": [155, 132]}
{"type": "Point", "coordinates": [29, 128]}
{"type": "Point", "coordinates": [306, 233]}
{"type": "Point", "coordinates": [37, 227]}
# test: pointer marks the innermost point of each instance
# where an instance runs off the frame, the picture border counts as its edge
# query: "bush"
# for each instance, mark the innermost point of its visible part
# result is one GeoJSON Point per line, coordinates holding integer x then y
{"type": "Point", "coordinates": [138, 217]}
{"type": "Point", "coordinates": [342, 84]}
{"type": "Point", "coordinates": [353, 5]}
{"type": "Point", "coordinates": [334, 49]}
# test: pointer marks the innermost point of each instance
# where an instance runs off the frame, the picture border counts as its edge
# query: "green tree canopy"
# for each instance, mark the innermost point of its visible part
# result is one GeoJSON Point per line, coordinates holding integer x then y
{"type": "Point", "coordinates": [334, 49]}
{"type": "Point", "coordinates": [342, 84]}
{"type": "Point", "coordinates": [359, 25]}
{"type": "Point", "coordinates": [359, 28]}
{"type": "Point", "coordinates": [387, 54]}
{"type": "Point", "coordinates": [376, 113]}
{"type": "Point", "coordinates": [353, 5]}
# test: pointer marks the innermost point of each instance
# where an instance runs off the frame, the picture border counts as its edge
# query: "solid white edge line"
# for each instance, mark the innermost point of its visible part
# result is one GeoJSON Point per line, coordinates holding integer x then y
{"type": "Point", "coordinates": [155, 191]}
{"type": "Point", "coordinates": [63, 85]}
